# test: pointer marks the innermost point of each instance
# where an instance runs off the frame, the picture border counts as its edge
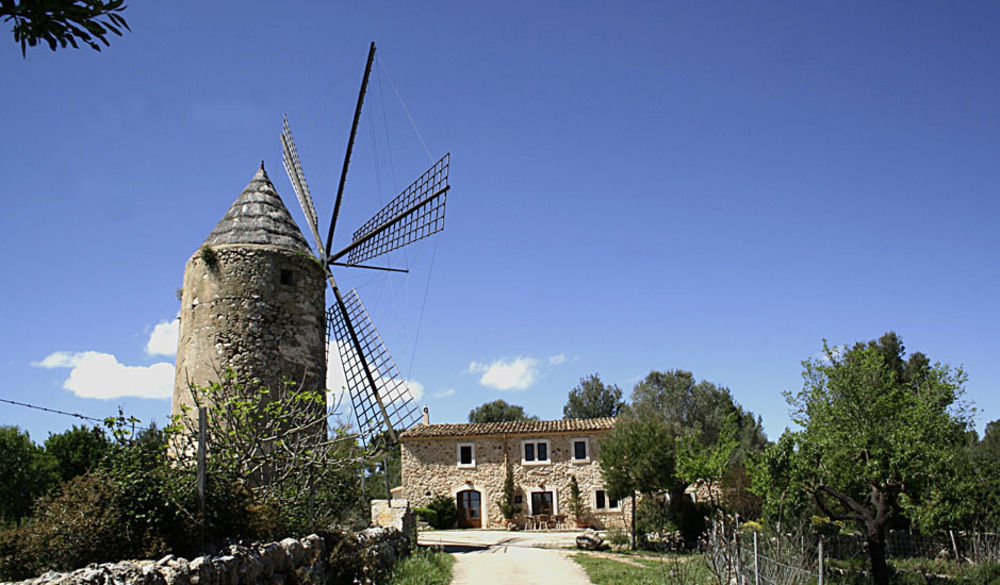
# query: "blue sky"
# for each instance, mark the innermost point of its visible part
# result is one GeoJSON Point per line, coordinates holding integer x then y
{"type": "Point", "coordinates": [641, 185]}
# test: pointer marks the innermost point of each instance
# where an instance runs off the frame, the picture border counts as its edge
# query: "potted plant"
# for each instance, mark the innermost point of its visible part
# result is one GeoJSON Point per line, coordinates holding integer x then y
{"type": "Point", "coordinates": [577, 507]}
{"type": "Point", "coordinates": [507, 507]}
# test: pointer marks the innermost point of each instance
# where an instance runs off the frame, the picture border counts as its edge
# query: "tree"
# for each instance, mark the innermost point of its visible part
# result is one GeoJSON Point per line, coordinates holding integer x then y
{"type": "Point", "coordinates": [879, 436]}
{"type": "Point", "coordinates": [63, 22]}
{"type": "Point", "coordinates": [77, 450]}
{"type": "Point", "coordinates": [26, 472]}
{"type": "Point", "coordinates": [637, 456]}
{"type": "Point", "coordinates": [506, 504]}
{"type": "Point", "coordinates": [498, 411]}
{"type": "Point", "coordinates": [591, 398]}
{"type": "Point", "coordinates": [705, 465]}
{"type": "Point", "coordinates": [684, 406]}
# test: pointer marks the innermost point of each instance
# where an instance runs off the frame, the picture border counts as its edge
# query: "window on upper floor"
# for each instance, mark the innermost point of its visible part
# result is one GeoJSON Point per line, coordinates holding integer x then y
{"type": "Point", "coordinates": [466, 454]}
{"type": "Point", "coordinates": [581, 450]}
{"type": "Point", "coordinates": [535, 452]}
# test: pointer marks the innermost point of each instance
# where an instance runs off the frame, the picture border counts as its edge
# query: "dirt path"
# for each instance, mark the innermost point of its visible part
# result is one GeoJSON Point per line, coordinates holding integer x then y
{"type": "Point", "coordinates": [502, 558]}
{"type": "Point", "coordinates": [515, 565]}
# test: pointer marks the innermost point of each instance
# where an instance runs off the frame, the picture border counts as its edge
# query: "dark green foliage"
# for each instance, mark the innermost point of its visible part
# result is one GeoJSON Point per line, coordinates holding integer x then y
{"type": "Point", "coordinates": [507, 506]}
{"type": "Point", "coordinates": [881, 436]}
{"type": "Point", "coordinates": [498, 411]}
{"type": "Point", "coordinates": [426, 514]}
{"type": "Point", "coordinates": [447, 512]}
{"type": "Point", "coordinates": [591, 398]}
{"type": "Point", "coordinates": [637, 456]}
{"type": "Point", "coordinates": [423, 567]}
{"type": "Point", "coordinates": [685, 407]}
{"type": "Point", "coordinates": [64, 22]}
{"type": "Point", "coordinates": [26, 472]}
{"type": "Point", "coordinates": [577, 507]}
{"type": "Point", "coordinates": [77, 450]}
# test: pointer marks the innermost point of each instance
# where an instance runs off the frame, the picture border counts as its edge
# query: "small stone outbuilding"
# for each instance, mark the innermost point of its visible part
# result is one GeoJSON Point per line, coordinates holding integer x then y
{"type": "Point", "coordinates": [469, 462]}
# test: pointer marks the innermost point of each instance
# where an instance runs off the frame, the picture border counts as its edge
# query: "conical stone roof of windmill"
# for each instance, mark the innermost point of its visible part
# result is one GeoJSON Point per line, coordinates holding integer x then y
{"type": "Point", "coordinates": [259, 217]}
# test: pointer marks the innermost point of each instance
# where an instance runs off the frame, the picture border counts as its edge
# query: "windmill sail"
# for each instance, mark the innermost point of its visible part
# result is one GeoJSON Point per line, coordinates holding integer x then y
{"type": "Point", "coordinates": [366, 360]}
{"type": "Point", "coordinates": [293, 167]}
{"type": "Point", "coordinates": [414, 214]}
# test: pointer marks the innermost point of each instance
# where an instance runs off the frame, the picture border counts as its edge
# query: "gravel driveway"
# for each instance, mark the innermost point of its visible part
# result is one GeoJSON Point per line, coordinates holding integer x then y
{"type": "Point", "coordinates": [486, 557]}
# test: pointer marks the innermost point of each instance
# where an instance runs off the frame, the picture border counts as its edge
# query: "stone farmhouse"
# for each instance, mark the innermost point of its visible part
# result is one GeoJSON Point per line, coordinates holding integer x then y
{"type": "Point", "coordinates": [469, 462]}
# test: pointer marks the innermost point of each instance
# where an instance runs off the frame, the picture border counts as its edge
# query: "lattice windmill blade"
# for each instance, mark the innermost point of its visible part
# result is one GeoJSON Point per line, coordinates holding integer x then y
{"type": "Point", "coordinates": [379, 395]}
{"type": "Point", "coordinates": [414, 214]}
{"type": "Point", "coordinates": [293, 167]}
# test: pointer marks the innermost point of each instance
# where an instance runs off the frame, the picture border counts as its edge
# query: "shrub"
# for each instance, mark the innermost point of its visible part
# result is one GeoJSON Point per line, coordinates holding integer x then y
{"type": "Point", "coordinates": [426, 514]}
{"type": "Point", "coordinates": [423, 567]}
{"type": "Point", "coordinates": [444, 507]}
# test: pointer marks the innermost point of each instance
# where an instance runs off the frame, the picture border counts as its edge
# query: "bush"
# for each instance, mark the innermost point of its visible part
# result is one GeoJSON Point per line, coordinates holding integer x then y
{"type": "Point", "coordinates": [426, 514]}
{"type": "Point", "coordinates": [447, 513]}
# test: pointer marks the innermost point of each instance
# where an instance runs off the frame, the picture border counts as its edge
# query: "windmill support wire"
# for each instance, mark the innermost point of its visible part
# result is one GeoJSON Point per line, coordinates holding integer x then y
{"type": "Point", "coordinates": [350, 145]}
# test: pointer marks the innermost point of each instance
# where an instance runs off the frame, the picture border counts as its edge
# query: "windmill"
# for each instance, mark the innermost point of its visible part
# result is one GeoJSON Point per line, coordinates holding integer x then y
{"type": "Point", "coordinates": [379, 396]}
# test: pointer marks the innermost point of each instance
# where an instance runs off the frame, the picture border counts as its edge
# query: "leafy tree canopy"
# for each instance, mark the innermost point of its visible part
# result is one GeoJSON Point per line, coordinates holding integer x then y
{"type": "Point", "coordinates": [881, 434]}
{"type": "Point", "coordinates": [26, 472]}
{"type": "Point", "coordinates": [591, 398]}
{"type": "Point", "coordinates": [64, 22]}
{"type": "Point", "coordinates": [77, 450]}
{"type": "Point", "coordinates": [498, 411]}
{"type": "Point", "coordinates": [686, 407]}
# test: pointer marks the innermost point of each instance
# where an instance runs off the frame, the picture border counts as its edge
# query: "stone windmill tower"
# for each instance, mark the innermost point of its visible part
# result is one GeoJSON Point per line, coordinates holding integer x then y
{"type": "Point", "coordinates": [253, 300]}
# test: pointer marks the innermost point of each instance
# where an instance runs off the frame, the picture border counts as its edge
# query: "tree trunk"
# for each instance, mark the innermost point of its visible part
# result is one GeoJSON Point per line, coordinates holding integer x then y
{"type": "Point", "coordinates": [875, 541]}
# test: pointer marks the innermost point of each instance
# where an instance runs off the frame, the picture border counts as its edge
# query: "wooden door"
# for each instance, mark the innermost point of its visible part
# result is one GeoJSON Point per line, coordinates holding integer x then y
{"type": "Point", "coordinates": [470, 512]}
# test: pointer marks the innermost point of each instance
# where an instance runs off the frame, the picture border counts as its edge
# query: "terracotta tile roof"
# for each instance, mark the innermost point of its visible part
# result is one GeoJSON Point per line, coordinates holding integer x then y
{"type": "Point", "coordinates": [510, 428]}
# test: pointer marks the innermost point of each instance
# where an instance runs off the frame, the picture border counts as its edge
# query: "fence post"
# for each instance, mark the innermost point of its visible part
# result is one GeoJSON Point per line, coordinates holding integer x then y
{"type": "Point", "coordinates": [954, 546]}
{"type": "Point", "coordinates": [822, 562]}
{"type": "Point", "coordinates": [202, 415]}
{"type": "Point", "coordinates": [740, 577]}
{"type": "Point", "coordinates": [756, 566]}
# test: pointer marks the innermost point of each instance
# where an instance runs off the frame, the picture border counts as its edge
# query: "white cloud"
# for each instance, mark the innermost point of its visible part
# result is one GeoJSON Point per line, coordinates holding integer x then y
{"type": "Point", "coordinates": [517, 374]}
{"type": "Point", "coordinates": [445, 393]}
{"type": "Point", "coordinates": [558, 359]}
{"type": "Point", "coordinates": [163, 339]}
{"type": "Point", "coordinates": [337, 383]}
{"type": "Point", "coordinates": [100, 375]}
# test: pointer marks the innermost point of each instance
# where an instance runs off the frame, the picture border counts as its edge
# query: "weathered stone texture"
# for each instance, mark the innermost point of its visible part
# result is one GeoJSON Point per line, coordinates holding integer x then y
{"type": "Point", "coordinates": [257, 310]}
{"type": "Point", "coordinates": [430, 468]}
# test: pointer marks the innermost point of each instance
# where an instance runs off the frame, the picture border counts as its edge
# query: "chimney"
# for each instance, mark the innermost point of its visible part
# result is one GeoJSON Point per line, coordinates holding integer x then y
{"type": "Point", "coordinates": [427, 415]}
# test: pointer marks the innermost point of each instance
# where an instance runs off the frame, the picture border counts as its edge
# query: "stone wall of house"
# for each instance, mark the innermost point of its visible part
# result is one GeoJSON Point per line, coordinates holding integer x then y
{"type": "Point", "coordinates": [340, 558]}
{"type": "Point", "coordinates": [256, 309]}
{"type": "Point", "coordinates": [430, 467]}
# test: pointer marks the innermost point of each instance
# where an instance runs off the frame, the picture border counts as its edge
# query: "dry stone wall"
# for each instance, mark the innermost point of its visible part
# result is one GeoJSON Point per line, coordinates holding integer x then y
{"type": "Point", "coordinates": [430, 467]}
{"type": "Point", "coordinates": [338, 558]}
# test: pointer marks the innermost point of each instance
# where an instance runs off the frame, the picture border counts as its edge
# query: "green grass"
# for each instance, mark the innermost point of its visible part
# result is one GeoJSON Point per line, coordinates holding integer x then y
{"type": "Point", "coordinates": [674, 570]}
{"type": "Point", "coordinates": [423, 567]}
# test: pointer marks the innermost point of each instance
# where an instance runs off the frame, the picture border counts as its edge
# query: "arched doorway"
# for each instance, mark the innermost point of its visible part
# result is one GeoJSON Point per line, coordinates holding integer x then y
{"type": "Point", "coordinates": [470, 509]}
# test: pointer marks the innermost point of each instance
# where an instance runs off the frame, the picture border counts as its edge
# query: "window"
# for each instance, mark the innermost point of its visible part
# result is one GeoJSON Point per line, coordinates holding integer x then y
{"type": "Point", "coordinates": [581, 450]}
{"type": "Point", "coordinates": [542, 503]}
{"type": "Point", "coordinates": [602, 501]}
{"type": "Point", "coordinates": [535, 452]}
{"type": "Point", "coordinates": [466, 454]}
{"type": "Point", "coordinates": [286, 277]}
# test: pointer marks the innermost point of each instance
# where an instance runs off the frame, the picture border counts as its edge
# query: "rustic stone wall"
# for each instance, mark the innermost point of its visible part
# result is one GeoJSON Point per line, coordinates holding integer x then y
{"type": "Point", "coordinates": [256, 309]}
{"type": "Point", "coordinates": [338, 558]}
{"type": "Point", "coordinates": [430, 467]}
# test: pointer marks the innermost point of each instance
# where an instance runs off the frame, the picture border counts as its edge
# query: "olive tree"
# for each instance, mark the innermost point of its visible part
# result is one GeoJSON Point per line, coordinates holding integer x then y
{"type": "Point", "coordinates": [880, 435]}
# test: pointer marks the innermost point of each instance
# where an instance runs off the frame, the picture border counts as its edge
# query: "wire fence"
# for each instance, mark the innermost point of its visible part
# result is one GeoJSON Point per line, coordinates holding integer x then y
{"type": "Point", "coordinates": [743, 557]}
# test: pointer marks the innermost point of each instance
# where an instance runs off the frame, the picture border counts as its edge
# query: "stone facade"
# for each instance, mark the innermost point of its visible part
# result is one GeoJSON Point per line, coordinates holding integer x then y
{"type": "Point", "coordinates": [253, 300]}
{"type": "Point", "coordinates": [432, 464]}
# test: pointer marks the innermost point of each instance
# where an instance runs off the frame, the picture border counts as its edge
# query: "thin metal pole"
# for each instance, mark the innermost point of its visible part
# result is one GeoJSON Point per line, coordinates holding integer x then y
{"type": "Point", "coordinates": [350, 148]}
{"type": "Point", "coordinates": [756, 565]}
{"type": "Point", "coordinates": [822, 562]}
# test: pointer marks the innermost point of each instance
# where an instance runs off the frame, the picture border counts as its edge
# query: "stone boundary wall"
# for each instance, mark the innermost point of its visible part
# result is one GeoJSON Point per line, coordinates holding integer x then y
{"type": "Point", "coordinates": [333, 559]}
